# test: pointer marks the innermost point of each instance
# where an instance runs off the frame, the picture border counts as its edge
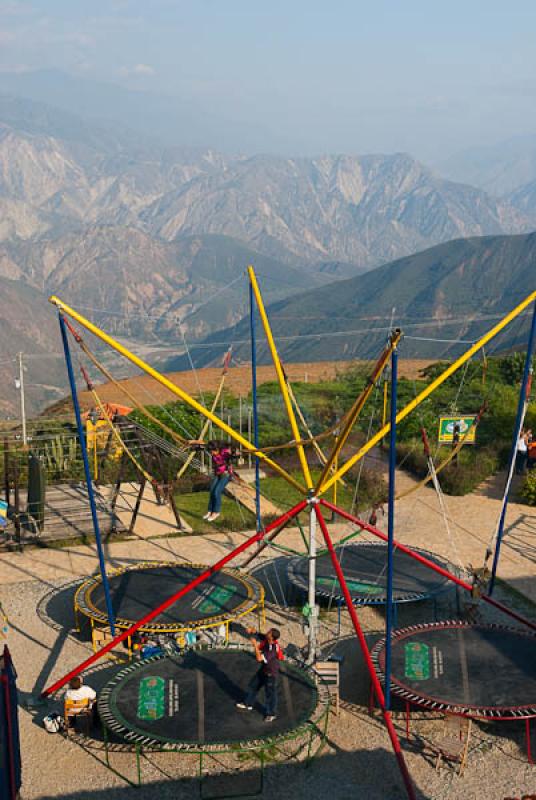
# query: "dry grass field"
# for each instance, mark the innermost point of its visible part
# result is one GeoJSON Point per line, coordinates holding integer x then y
{"type": "Point", "coordinates": [238, 382]}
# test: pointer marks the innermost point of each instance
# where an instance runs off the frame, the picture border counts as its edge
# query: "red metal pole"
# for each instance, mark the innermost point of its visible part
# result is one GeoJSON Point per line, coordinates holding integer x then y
{"type": "Point", "coordinates": [423, 560]}
{"type": "Point", "coordinates": [169, 602]}
{"type": "Point", "coordinates": [366, 653]}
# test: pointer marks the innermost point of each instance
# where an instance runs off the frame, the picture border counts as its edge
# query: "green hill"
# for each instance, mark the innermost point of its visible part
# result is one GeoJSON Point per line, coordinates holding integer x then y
{"type": "Point", "coordinates": [449, 292]}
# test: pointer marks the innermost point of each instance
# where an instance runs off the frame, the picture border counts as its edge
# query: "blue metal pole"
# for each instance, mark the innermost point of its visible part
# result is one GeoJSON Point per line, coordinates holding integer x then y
{"type": "Point", "coordinates": [513, 452]}
{"type": "Point", "coordinates": [391, 529]}
{"type": "Point", "coordinates": [255, 408]}
{"type": "Point", "coordinates": [87, 472]}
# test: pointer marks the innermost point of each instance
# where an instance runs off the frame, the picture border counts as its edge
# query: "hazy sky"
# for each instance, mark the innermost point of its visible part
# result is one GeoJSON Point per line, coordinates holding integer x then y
{"type": "Point", "coordinates": [338, 76]}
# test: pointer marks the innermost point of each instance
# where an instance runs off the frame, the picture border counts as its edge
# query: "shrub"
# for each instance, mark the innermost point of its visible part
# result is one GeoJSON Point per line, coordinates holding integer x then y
{"type": "Point", "coordinates": [474, 466]}
{"type": "Point", "coordinates": [464, 477]}
{"type": "Point", "coordinates": [528, 490]}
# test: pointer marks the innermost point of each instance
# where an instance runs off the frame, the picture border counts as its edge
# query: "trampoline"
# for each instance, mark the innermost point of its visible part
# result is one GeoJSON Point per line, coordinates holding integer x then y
{"type": "Point", "coordinates": [135, 590]}
{"type": "Point", "coordinates": [473, 670]}
{"type": "Point", "coordinates": [186, 704]}
{"type": "Point", "coordinates": [365, 569]}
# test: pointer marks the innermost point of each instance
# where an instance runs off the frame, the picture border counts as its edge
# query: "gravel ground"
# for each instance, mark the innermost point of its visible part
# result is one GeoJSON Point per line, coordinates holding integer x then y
{"type": "Point", "coordinates": [356, 762]}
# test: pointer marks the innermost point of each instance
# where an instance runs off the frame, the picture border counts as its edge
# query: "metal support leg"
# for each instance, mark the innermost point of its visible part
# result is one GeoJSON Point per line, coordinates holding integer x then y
{"type": "Point", "coordinates": [527, 734]}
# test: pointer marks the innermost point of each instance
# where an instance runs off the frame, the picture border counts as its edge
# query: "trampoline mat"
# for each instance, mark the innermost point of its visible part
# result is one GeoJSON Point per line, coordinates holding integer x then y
{"type": "Point", "coordinates": [136, 591]}
{"type": "Point", "coordinates": [479, 670]}
{"type": "Point", "coordinates": [190, 700]}
{"type": "Point", "coordinates": [365, 568]}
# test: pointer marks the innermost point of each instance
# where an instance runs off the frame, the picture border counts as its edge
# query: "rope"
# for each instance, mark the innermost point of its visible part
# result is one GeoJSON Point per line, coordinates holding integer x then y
{"type": "Point", "coordinates": [118, 437]}
{"type": "Point", "coordinates": [206, 424]}
{"type": "Point", "coordinates": [506, 492]}
{"type": "Point", "coordinates": [442, 506]}
{"type": "Point", "coordinates": [107, 374]}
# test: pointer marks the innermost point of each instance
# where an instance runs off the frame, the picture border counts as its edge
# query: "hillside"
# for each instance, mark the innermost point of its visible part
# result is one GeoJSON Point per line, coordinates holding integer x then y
{"type": "Point", "coordinates": [28, 324]}
{"type": "Point", "coordinates": [140, 286]}
{"type": "Point", "coordinates": [452, 291]}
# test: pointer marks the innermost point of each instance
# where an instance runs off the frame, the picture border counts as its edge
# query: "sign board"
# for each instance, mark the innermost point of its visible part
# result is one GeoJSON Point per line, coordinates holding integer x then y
{"type": "Point", "coordinates": [465, 423]}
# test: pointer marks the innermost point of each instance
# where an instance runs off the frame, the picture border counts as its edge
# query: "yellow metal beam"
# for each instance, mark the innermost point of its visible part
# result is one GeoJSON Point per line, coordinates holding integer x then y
{"type": "Point", "coordinates": [281, 378]}
{"type": "Point", "coordinates": [356, 409]}
{"type": "Point", "coordinates": [173, 388]}
{"type": "Point", "coordinates": [429, 390]}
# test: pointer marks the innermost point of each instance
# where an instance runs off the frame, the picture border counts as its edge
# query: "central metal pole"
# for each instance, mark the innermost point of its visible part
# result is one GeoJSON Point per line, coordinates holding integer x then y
{"type": "Point", "coordinates": [311, 598]}
{"type": "Point", "coordinates": [391, 530]}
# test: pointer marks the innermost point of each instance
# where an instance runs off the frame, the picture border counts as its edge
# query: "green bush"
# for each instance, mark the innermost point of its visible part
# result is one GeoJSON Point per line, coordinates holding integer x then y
{"type": "Point", "coordinates": [471, 470]}
{"type": "Point", "coordinates": [473, 467]}
{"type": "Point", "coordinates": [528, 490]}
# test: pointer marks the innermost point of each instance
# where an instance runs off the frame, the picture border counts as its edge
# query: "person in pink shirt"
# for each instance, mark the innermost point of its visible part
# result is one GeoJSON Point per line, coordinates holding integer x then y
{"type": "Point", "coordinates": [221, 454]}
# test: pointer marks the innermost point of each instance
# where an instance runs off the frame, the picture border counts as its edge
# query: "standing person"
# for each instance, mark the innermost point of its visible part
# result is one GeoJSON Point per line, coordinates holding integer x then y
{"type": "Point", "coordinates": [455, 442]}
{"type": "Point", "coordinates": [222, 468]}
{"type": "Point", "coordinates": [522, 452]}
{"type": "Point", "coordinates": [268, 653]}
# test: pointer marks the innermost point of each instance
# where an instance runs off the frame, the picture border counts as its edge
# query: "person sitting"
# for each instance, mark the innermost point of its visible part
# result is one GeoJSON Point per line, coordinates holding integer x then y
{"type": "Point", "coordinates": [80, 691]}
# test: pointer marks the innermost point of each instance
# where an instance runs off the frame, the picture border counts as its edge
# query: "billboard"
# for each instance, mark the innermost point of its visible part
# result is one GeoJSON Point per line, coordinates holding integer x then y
{"type": "Point", "coordinates": [465, 423]}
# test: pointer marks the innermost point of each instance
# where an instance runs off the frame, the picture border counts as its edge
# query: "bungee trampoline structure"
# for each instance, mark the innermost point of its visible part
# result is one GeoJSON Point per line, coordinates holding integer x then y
{"type": "Point", "coordinates": [481, 671]}
{"type": "Point", "coordinates": [364, 565]}
{"type": "Point", "coordinates": [226, 597]}
{"type": "Point", "coordinates": [312, 490]}
{"type": "Point", "coordinates": [185, 704]}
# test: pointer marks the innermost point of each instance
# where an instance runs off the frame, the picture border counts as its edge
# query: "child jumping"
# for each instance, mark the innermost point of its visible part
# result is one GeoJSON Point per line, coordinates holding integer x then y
{"type": "Point", "coordinates": [221, 454]}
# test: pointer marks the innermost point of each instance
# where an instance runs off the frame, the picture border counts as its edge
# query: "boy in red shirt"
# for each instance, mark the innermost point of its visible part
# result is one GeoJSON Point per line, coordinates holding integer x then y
{"type": "Point", "coordinates": [268, 653]}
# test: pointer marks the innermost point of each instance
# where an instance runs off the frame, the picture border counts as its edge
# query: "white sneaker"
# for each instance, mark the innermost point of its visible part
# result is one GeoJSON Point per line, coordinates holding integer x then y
{"type": "Point", "coordinates": [244, 707]}
{"type": "Point", "coordinates": [213, 517]}
{"type": "Point", "coordinates": [207, 515]}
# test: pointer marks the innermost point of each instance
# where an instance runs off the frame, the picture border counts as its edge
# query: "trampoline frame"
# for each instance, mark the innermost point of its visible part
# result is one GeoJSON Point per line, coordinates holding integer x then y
{"type": "Point", "coordinates": [506, 713]}
{"type": "Point", "coordinates": [84, 606]}
{"type": "Point", "coordinates": [264, 748]}
{"type": "Point", "coordinates": [337, 596]}
{"type": "Point", "coordinates": [422, 701]}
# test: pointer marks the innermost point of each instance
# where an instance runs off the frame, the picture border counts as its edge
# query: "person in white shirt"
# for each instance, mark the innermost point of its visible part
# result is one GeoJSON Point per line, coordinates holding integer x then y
{"type": "Point", "coordinates": [79, 691]}
{"type": "Point", "coordinates": [522, 452]}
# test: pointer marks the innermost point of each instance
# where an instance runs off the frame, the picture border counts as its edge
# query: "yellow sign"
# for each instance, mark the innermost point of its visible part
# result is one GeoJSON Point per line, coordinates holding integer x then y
{"type": "Point", "coordinates": [461, 426]}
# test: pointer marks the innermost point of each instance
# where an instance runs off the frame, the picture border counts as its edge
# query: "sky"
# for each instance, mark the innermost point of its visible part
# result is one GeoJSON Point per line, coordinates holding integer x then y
{"type": "Point", "coordinates": [429, 78]}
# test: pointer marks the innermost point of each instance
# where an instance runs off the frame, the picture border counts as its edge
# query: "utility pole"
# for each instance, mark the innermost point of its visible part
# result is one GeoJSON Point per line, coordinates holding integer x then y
{"type": "Point", "coordinates": [22, 405]}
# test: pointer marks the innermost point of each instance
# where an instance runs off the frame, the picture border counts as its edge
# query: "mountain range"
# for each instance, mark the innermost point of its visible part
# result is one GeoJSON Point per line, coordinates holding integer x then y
{"type": "Point", "coordinates": [443, 299]}
{"type": "Point", "coordinates": [152, 240]}
{"type": "Point", "coordinates": [362, 210]}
